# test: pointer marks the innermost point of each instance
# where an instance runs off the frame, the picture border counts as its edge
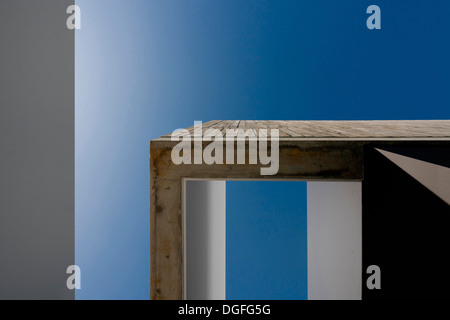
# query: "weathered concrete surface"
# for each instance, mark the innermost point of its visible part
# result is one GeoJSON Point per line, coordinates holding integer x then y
{"type": "Point", "coordinates": [308, 150]}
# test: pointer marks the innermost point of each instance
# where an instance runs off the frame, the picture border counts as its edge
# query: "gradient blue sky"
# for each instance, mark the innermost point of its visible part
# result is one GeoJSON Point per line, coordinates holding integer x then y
{"type": "Point", "coordinates": [145, 68]}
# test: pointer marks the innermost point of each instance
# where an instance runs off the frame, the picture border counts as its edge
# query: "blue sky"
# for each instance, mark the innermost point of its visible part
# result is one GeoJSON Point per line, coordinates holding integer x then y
{"type": "Point", "coordinates": [145, 68]}
{"type": "Point", "coordinates": [266, 240]}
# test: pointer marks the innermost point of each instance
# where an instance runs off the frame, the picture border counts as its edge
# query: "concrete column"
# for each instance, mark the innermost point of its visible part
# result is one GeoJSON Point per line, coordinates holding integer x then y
{"type": "Point", "coordinates": [205, 240]}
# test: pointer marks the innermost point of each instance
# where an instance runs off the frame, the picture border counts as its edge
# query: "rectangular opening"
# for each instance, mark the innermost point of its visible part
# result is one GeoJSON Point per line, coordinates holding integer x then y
{"type": "Point", "coordinates": [272, 239]}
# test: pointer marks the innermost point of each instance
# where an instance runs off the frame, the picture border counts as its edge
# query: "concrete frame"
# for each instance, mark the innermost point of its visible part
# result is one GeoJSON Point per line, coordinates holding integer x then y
{"type": "Point", "coordinates": [320, 160]}
{"type": "Point", "coordinates": [332, 158]}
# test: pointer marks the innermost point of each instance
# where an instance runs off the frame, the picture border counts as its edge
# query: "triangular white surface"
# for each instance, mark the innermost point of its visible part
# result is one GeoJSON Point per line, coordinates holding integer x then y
{"type": "Point", "coordinates": [434, 177]}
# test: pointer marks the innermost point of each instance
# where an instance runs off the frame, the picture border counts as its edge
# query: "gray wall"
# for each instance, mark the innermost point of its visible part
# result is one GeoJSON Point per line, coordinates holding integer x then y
{"type": "Point", "coordinates": [36, 149]}
{"type": "Point", "coordinates": [334, 240]}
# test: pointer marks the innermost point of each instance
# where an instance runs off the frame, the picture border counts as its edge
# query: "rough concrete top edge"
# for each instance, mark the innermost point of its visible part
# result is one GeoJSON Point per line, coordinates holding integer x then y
{"type": "Point", "coordinates": [331, 130]}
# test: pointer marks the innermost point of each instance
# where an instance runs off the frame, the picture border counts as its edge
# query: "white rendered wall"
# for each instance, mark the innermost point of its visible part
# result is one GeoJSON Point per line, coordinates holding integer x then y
{"type": "Point", "coordinates": [205, 239]}
{"type": "Point", "coordinates": [334, 240]}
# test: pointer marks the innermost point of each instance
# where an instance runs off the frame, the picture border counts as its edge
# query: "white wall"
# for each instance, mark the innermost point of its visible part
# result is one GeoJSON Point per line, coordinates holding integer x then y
{"type": "Point", "coordinates": [334, 240]}
{"type": "Point", "coordinates": [205, 239]}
